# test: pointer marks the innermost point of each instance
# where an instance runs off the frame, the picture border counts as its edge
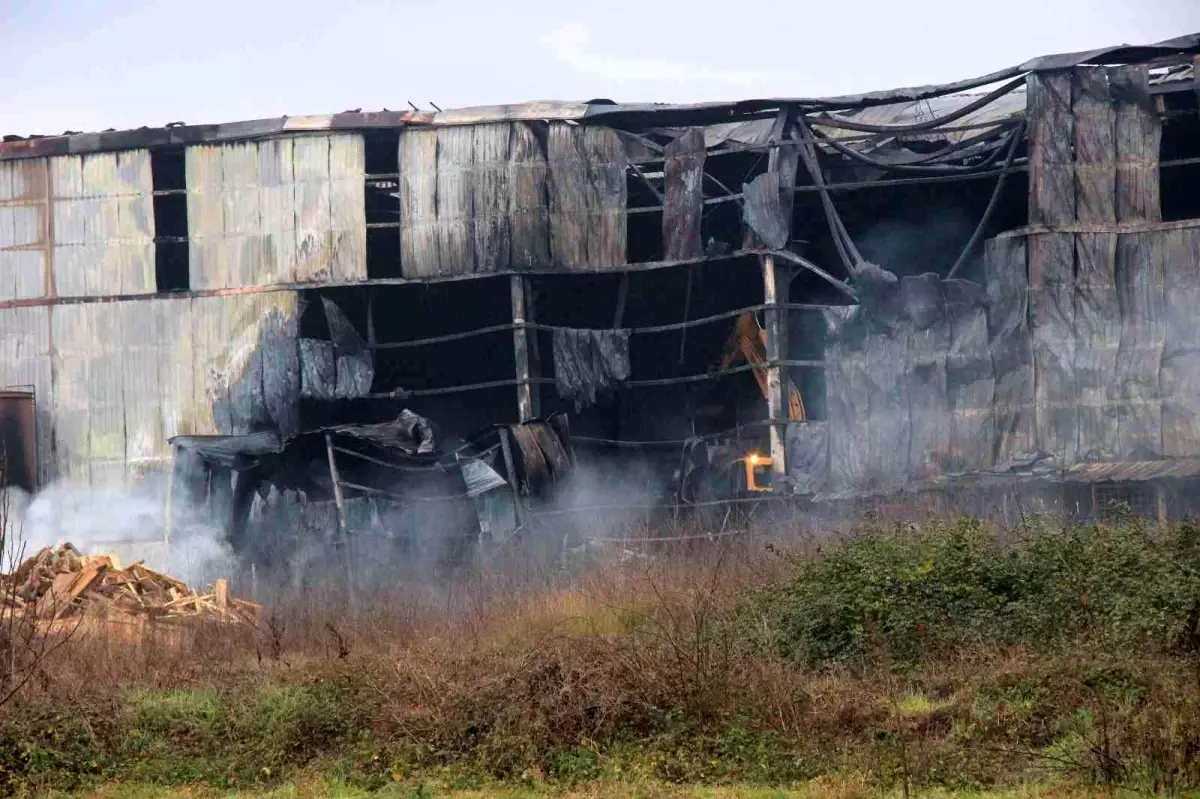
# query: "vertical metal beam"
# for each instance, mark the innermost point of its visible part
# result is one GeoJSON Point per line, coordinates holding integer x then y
{"type": "Point", "coordinates": [340, 501]}
{"type": "Point", "coordinates": [522, 314]}
{"type": "Point", "coordinates": [1160, 492]}
{"type": "Point", "coordinates": [775, 291]}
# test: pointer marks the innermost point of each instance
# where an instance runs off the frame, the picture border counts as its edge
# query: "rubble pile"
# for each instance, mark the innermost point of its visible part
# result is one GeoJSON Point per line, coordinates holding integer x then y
{"type": "Point", "coordinates": [58, 583]}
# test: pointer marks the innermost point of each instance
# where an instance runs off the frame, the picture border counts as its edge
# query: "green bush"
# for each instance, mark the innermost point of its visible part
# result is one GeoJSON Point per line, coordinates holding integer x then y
{"type": "Point", "coordinates": [906, 593]}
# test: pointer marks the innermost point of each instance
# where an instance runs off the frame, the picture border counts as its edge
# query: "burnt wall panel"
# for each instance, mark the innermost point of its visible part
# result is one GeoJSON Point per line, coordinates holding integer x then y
{"type": "Point", "coordinates": [1139, 135]}
{"type": "Point", "coordinates": [926, 339]}
{"type": "Point", "coordinates": [683, 173]}
{"type": "Point", "coordinates": [472, 200]}
{"type": "Point", "coordinates": [1181, 352]}
{"type": "Point", "coordinates": [491, 198]}
{"type": "Point", "coordinates": [1137, 391]}
{"type": "Point", "coordinates": [1097, 340]}
{"type": "Point", "coordinates": [529, 218]}
{"type": "Point", "coordinates": [1052, 320]}
{"type": "Point", "coordinates": [1011, 344]}
{"type": "Point", "coordinates": [1095, 146]}
{"type": "Point", "coordinates": [970, 382]}
{"type": "Point", "coordinates": [1051, 134]}
{"type": "Point", "coordinates": [588, 195]}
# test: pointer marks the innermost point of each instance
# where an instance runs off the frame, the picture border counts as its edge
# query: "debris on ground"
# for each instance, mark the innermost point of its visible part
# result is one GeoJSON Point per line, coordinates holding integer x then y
{"type": "Point", "coordinates": [58, 583]}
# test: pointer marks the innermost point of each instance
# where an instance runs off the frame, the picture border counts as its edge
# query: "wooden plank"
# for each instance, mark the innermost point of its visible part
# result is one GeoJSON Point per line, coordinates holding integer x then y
{"type": "Point", "coordinates": [1138, 134]}
{"type": "Point", "coordinates": [490, 200]}
{"type": "Point", "coordinates": [84, 579]}
{"type": "Point", "coordinates": [1095, 146]}
{"type": "Point", "coordinates": [1051, 136]}
{"type": "Point", "coordinates": [684, 205]}
{"type": "Point", "coordinates": [418, 203]}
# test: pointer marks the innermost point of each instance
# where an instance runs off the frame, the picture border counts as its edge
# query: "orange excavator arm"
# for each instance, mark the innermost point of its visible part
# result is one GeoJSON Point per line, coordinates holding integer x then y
{"type": "Point", "coordinates": [748, 340]}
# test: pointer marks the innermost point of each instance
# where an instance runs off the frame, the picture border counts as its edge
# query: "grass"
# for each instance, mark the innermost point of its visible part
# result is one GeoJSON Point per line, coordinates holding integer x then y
{"type": "Point", "coordinates": [947, 659]}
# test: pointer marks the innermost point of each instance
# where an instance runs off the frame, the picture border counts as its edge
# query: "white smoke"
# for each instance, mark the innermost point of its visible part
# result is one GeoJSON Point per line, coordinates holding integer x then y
{"type": "Point", "coordinates": [129, 523]}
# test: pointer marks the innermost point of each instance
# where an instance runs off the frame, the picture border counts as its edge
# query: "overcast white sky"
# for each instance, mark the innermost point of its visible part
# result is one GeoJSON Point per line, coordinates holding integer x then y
{"type": "Point", "coordinates": [79, 65]}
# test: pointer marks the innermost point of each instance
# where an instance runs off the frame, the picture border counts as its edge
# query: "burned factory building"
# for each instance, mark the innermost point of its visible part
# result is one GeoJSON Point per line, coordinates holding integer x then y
{"type": "Point", "coordinates": [359, 321]}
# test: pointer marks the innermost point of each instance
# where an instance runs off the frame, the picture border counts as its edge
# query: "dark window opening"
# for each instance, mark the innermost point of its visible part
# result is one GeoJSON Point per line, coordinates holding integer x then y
{"type": "Point", "coordinates": [1180, 135]}
{"type": "Point", "coordinates": [382, 198]}
{"type": "Point", "coordinates": [168, 169]}
{"type": "Point", "coordinates": [171, 258]}
{"type": "Point", "coordinates": [644, 237]}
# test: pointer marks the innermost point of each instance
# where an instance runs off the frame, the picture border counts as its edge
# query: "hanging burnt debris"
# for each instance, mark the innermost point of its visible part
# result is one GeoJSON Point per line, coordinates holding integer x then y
{"type": "Point", "coordinates": [380, 312]}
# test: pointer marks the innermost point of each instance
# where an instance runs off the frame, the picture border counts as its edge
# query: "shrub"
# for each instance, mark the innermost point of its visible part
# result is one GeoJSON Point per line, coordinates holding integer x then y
{"type": "Point", "coordinates": [907, 593]}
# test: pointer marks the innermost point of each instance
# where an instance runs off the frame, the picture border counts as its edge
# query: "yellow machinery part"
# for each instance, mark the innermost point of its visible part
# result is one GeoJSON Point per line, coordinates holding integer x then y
{"type": "Point", "coordinates": [749, 341]}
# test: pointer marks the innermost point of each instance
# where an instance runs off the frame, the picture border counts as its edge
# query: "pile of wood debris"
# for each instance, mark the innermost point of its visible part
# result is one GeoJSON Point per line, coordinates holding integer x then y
{"type": "Point", "coordinates": [58, 583]}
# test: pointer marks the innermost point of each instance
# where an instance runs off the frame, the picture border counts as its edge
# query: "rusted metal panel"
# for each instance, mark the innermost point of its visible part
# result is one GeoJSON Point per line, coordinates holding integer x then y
{"type": "Point", "coordinates": [103, 224]}
{"type": "Point", "coordinates": [24, 234]}
{"type": "Point", "coordinates": [588, 197]}
{"type": "Point", "coordinates": [18, 440]}
{"type": "Point", "coordinates": [278, 211]}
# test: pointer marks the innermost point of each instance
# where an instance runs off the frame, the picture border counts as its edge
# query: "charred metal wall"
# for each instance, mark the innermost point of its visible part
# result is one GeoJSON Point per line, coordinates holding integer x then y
{"type": "Point", "coordinates": [76, 225]}
{"type": "Point", "coordinates": [1084, 347]}
{"type": "Point", "coordinates": [507, 196]}
{"type": "Point", "coordinates": [115, 380]}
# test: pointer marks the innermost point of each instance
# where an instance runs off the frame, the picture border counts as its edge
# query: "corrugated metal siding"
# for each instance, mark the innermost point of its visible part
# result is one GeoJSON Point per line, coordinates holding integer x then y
{"type": "Point", "coordinates": [474, 200]}
{"type": "Point", "coordinates": [103, 224]}
{"type": "Point", "coordinates": [23, 233]}
{"type": "Point", "coordinates": [277, 211]}
{"type": "Point", "coordinates": [25, 362]}
{"type": "Point", "coordinates": [127, 376]}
